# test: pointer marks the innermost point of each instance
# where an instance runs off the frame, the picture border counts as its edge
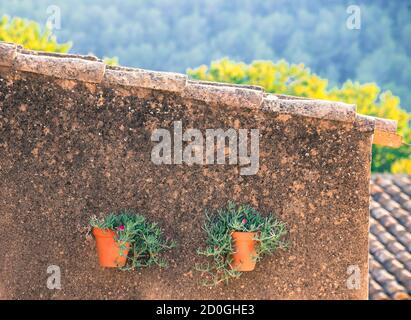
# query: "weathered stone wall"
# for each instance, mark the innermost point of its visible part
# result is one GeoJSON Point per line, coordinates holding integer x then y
{"type": "Point", "coordinates": [70, 149]}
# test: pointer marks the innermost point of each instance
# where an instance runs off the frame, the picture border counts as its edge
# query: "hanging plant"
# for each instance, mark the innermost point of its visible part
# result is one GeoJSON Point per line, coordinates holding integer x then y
{"type": "Point", "coordinates": [127, 240]}
{"type": "Point", "coordinates": [237, 237]}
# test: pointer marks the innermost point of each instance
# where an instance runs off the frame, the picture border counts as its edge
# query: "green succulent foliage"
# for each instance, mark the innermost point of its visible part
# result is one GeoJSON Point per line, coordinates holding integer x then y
{"type": "Point", "coordinates": [220, 245]}
{"type": "Point", "coordinates": [146, 239]}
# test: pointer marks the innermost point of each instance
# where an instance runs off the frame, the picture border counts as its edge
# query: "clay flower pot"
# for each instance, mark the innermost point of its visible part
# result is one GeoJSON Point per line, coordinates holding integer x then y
{"type": "Point", "coordinates": [108, 250]}
{"type": "Point", "coordinates": [244, 257]}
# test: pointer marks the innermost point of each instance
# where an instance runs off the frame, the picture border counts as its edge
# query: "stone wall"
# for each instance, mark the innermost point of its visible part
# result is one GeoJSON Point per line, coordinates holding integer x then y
{"type": "Point", "coordinates": [75, 140]}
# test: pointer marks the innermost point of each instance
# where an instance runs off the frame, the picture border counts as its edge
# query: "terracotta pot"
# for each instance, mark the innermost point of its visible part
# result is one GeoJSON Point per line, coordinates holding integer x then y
{"type": "Point", "coordinates": [108, 250]}
{"type": "Point", "coordinates": [244, 257]}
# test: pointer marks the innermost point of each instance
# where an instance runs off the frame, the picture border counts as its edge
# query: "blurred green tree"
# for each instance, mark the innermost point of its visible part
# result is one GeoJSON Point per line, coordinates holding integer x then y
{"type": "Point", "coordinates": [30, 35]}
{"type": "Point", "coordinates": [113, 61]}
{"type": "Point", "coordinates": [295, 79]}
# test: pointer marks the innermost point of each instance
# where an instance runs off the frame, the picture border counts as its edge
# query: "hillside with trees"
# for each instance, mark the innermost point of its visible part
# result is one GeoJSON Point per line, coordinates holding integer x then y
{"type": "Point", "coordinates": [174, 35]}
{"type": "Point", "coordinates": [277, 76]}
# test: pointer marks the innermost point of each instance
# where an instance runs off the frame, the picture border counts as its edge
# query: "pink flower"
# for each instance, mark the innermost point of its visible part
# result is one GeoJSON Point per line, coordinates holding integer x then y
{"type": "Point", "coordinates": [121, 228]}
{"type": "Point", "coordinates": [244, 221]}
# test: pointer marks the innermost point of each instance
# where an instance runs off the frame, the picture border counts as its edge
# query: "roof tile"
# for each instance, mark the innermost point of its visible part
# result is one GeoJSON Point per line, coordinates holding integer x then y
{"type": "Point", "coordinates": [390, 237]}
{"type": "Point", "coordinates": [395, 247]}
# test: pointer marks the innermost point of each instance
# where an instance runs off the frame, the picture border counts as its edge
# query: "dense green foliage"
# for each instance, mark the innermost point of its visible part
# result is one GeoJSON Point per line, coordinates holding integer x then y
{"type": "Point", "coordinates": [30, 35]}
{"type": "Point", "coordinates": [146, 239]}
{"type": "Point", "coordinates": [177, 34]}
{"type": "Point", "coordinates": [293, 79]}
{"type": "Point", "coordinates": [220, 245]}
